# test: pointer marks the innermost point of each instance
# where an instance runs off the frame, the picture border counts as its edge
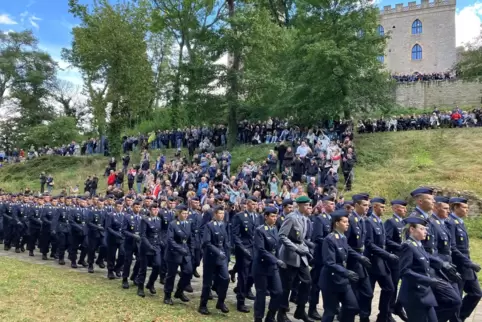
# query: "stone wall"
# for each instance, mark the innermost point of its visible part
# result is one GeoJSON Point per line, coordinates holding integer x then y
{"type": "Point", "coordinates": [438, 93]}
{"type": "Point", "coordinates": [437, 38]}
{"type": "Point", "coordinates": [474, 201]}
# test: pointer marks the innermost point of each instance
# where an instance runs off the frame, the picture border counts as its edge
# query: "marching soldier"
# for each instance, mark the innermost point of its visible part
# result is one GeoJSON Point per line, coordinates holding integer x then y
{"type": "Point", "coordinates": [356, 235]}
{"type": "Point", "coordinates": [461, 257]}
{"type": "Point", "coordinates": [78, 232]}
{"type": "Point", "coordinates": [321, 229]}
{"type": "Point", "coordinates": [296, 254]}
{"type": "Point", "coordinates": [167, 215]}
{"type": "Point", "coordinates": [243, 225]}
{"type": "Point", "coordinates": [393, 230]}
{"type": "Point", "coordinates": [34, 225]}
{"type": "Point", "coordinates": [265, 267]}
{"type": "Point", "coordinates": [47, 235]}
{"type": "Point", "coordinates": [179, 250]}
{"type": "Point", "coordinates": [149, 250]}
{"type": "Point", "coordinates": [95, 235]}
{"type": "Point", "coordinates": [336, 280]}
{"type": "Point", "coordinates": [446, 310]}
{"type": "Point", "coordinates": [115, 241]}
{"type": "Point", "coordinates": [130, 229]}
{"type": "Point", "coordinates": [380, 258]}
{"type": "Point", "coordinates": [215, 261]}
{"type": "Point", "coordinates": [61, 230]}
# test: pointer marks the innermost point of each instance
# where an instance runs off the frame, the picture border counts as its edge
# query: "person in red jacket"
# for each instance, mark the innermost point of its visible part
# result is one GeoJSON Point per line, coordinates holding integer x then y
{"type": "Point", "coordinates": [111, 178]}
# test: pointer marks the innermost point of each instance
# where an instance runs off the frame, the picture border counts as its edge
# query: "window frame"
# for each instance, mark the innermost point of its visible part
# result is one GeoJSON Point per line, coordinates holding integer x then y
{"type": "Point", "coordinates": [417, 27]}
{"type": "Point", "coordinates": [417, 52]}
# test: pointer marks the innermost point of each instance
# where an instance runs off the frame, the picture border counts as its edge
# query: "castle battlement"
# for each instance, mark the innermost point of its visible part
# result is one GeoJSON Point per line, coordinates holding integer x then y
{"type": "Point", "coordinates": [425, 4]}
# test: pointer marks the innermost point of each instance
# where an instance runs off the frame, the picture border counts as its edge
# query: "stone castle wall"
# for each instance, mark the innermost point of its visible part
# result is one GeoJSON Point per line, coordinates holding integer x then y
{"type": "Point", "coordinates": [437, 39]}
{"type": "Point", "coordinates": [438, 93]}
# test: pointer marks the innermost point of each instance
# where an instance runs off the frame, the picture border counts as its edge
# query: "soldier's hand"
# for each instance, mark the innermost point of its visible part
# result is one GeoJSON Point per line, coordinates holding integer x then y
{"type": "Point", "coordinates": [302, 252]}
{"type": "Point", "coordinates": [309, 244]}
{"type": "Point", "coordinates": [435, 281]}
{"type": "Point", "coordinates": [393, 257]}
{"type": "Point", "coordinates": [222, 255]}
{"type": "Point", "coordinates": [475, 267]}
{"type": "Point", "coordinates": [281, 263]}
{"type": "Point", "coordinates": [365, 262]}
{"type": "Point", "coordinates": [353, 277]}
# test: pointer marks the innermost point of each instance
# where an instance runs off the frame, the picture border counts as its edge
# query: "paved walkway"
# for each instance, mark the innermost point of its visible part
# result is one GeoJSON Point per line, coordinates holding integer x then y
{"type": "Point", "coordinates": [197, 284]}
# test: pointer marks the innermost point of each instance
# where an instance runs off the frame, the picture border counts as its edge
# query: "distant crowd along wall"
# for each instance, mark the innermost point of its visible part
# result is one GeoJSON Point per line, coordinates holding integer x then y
{"type": "Point", "coordinates": [438, 93]}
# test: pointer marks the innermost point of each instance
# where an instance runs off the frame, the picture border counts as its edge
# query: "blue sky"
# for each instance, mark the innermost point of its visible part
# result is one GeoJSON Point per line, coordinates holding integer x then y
{"type": "Point", "coordinates": [52, 23]}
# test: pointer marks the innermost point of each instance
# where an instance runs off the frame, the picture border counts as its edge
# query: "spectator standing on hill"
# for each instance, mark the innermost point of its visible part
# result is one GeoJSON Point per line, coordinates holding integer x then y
{"type": "Point", "coordinates": [43, 181]}
{"type": "Point", "coordinates": [111, 178]}
{"type": "Point", "coordinates": [125, 162]}
{"type": "Point", "coordinates": [50, 183]}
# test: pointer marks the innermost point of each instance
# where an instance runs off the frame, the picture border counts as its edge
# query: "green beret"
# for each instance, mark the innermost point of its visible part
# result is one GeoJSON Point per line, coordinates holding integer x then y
{"type": "Point", "coordinates": [302, 199]}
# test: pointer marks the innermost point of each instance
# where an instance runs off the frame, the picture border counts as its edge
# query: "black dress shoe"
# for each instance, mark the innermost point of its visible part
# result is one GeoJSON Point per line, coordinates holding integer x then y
{"type": "Point", "coordinates": [203, 310]}
{"type": "Point", "coordinates": [151, 289]}
{"type": "Point", "coordinates": [17, 250]}
{"type": "Point", "coordinates": [270, 316]}
{"type": "Point", "coordinates": [196, 274]}
{"type": "Point", "coordinates": [22, 249]}
{"type": "Point", "coordinates": [282, 317]}
{"type": "Point", "coordinates": [110, 275]}
{"type": "Point", "coordinates": [100, 264]}
{"type": "Point", "coordinates": [125, 283]}
{"type": "Point", "coordinates": [222, 307]}
{"type": "Point", "coordinates": [300, 314]}
{"type": "Point", "coordinates": [313, 314]}
{"type": "Point", "coordinates": [162, 280]}
{"type": "Point", "coordinates": [91, 269]}
{"type": "Point", "coordinates": [167, 298]}
{"type": "Point", "coordinates": [188, 289]}
{"type": "Point", "coordinates": [181, 296]}
{"type": "Point", "coordinates": [54, 256]}
{"type": "Point", "coordinates": [61, 262]}
{"type": "Point", "coordinates": [242, 308]}
{"type": "Point", "coordinates": [30, 253]}
{"type": "Point", "coordinates": [210, 295]}
{"type": "Point", "coordinates": [140, 291]}
{"type": "Point", "coordinates": [232, 273]}
{"type": "Point", "coordinates": [6, 248]}
{"type": "Point", "coordinates": [44, 257]}
{"type": "Point", "coordinates": [83, 264]}
{"type": "Point", "coordinates": [118, 274]}
{"type": "Point", "coordinates": [73, 265]}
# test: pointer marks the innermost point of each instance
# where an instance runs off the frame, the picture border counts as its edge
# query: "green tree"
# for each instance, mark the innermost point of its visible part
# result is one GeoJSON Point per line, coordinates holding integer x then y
{"type": "Point", "coordinates": [13, 46]}
{"type": "Point", "coordinates": [334, 69]}
{"type": "Point", "coordinates": [469, 66]}
{"type": "Point", "coordinates": [109, 48]}
{"type": "Point", "coordinates": [58, 132]}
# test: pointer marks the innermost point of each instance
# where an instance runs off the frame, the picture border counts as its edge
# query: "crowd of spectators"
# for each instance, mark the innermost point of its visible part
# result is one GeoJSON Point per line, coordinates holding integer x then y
{"type": "Point", "coordinates": [312, 163]}
{"type": "Point", "coordinates": [456, 118]}
{"type": "Point", "coordinates": [418, 77]}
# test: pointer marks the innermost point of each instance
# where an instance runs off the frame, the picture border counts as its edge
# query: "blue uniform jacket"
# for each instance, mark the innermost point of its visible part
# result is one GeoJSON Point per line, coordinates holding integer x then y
{"type": "Point", "coordinates": [266, 247]}
{"type": "Point", "coordinates": [215, 243]}
{"type": "Point", "coordinates": [179, 242]}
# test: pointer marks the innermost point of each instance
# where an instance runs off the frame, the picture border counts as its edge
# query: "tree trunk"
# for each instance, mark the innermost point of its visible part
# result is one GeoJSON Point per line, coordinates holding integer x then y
{"type": "Point", "coordinates": [176, 101]}
{"type": "Point", "coordinates": [233, 87]}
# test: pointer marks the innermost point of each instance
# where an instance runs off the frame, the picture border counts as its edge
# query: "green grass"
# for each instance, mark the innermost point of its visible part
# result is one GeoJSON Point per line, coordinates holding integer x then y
{"type": "Point", "coordinates": [33, 292]}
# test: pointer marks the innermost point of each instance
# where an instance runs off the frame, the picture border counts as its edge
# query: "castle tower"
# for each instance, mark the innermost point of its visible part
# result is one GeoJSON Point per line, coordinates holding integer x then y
{"type": "Point", "coordinates": [422, 37]}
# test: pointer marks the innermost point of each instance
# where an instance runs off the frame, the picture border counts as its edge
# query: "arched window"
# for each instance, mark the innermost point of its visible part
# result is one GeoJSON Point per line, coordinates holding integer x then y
{"type": "Point", "coordinates": [417, 52]}
{"type": "Point", "coordinates": [381, 58]}
{"type": "Point", "coordinates": [416, 27]}
{"type": "Point", "coordinates": [380, 30]}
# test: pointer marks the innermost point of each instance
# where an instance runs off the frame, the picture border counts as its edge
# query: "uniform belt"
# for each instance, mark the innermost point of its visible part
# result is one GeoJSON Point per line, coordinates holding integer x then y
{"type": "Point", "coordinates": [360, 250]}
{"type": "Point", "coordinates": [430, 250]}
